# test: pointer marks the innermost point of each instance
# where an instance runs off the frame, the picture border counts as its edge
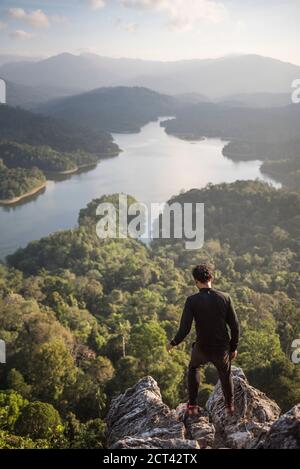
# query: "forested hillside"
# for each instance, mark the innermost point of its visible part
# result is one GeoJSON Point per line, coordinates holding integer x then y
{"type": "Point", "coordinates": [33, 129]}
{"type": "Point", "coordinates": [119, 109]}
{"type": "Point", "coordinates": [43, 157]}
{"type": "Point", "coordinates": [29, 141]}
{"type": "Point", "coordinates": [84, 318]}
{"type": "Point", "coordinates": [18, 181]}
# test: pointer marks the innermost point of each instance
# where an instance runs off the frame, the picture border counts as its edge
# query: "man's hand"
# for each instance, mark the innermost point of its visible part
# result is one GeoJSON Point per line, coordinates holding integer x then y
{"type": "Point", "coordinates": [169, 348]}
{"type": "Point", "coordinates": [233, 355]}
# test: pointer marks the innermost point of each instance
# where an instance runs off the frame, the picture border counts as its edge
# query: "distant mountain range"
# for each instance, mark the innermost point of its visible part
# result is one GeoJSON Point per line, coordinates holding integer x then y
{"type": "Point", "coordinates": [212, 78]}
{"type": "Point", "coordinates": [10, 58]}
{"type": "Point", "coordinates": [29, 97]}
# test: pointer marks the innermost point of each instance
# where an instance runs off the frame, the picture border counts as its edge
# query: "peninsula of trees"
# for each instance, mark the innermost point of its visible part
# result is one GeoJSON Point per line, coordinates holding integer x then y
{"type": "Point", "coordinates": [33, 146]}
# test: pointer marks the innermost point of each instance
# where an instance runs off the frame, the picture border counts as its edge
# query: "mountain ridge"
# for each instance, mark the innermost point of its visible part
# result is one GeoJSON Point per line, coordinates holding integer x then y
{"type": "Point", "coordinates": [213, 77]}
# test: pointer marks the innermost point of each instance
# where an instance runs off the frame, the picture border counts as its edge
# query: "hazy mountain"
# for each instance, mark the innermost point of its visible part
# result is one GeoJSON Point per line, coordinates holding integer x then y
{"type": "Point", "coordinates": [6, 58]}
{"type": "Point", "coordinates": [28, 97]}
{"type": "Point", "coordinates": [119, 109]}
{"type": "Point", "coordinates": [258, 100]}
{"type": "Point", "coordinates": [61, 71]}
{"type": "Point", "coordinates": [214, 78]}
{"type": "Point", "coordinates": [192, 98]}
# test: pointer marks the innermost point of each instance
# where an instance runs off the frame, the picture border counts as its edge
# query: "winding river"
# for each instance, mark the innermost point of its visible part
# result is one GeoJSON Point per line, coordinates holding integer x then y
{"type": "Point", "coordinates": [152, 167]}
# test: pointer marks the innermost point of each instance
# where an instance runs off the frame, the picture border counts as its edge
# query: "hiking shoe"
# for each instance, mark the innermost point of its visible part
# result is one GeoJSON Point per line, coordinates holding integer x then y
{"type": "Point", "coordinates": [229, 409]}
{"type": "Point", "coordinates": [192, 410]}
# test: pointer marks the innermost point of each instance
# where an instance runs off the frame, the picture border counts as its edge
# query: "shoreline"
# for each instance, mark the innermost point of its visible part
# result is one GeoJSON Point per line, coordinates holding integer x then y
{"type": "Point", "coordinates": [15, 200]}
{"type": "Point", "coordinates": [187, 137]}
{"type": "Point", "coordinates": [24, 196]}
{"type": "Point", "coordinates": [78, 167]}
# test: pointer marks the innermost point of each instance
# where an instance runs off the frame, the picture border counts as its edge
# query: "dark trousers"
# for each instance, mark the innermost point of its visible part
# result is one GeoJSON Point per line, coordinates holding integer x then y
{"type": "Point", "coordinates": [221, 360]}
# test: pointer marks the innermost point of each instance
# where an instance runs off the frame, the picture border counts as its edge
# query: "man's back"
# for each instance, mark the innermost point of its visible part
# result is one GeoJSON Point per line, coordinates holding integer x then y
{"type": "Point", "coordinates": [212, 311]}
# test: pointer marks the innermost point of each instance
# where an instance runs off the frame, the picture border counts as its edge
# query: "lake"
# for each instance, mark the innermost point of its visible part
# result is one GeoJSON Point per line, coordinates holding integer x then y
{"type": "Point", "coordinates": [152, 167]}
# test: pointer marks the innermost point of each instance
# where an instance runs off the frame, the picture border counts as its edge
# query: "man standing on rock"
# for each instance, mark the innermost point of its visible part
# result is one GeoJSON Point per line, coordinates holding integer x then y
{"type": "Point", "coordinates": [213, 312]}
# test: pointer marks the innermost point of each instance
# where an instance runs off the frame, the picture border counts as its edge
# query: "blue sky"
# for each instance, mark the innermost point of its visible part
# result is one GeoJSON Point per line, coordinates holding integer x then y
{"type": "Point", "coordinates": [151, 29]}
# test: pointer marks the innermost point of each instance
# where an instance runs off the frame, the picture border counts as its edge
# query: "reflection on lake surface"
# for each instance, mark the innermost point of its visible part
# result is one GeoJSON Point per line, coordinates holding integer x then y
{"type": "Point", "coordinates": [152, 167]}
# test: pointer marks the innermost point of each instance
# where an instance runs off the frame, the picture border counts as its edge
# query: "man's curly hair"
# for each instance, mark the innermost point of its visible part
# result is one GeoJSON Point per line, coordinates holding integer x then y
{"type": "Point", "coordinates": [202, 273]}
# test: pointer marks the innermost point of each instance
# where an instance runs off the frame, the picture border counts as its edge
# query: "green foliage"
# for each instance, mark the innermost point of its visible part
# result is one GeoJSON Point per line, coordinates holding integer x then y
{"type": "Point", "coordinates": [43, 157]}
{"type": "Point", "coordinates": [279, 380]}
{"type": "Point", "coordinates": [148, 342]}
{"type": "Point", "coordinates": [89, 435]}
{"type": "Point", "coordinates": [11, 405]}
{"type": "Point", "coordinates": [18, 182]}
{"type": "Point", "coordinates": [9, 441]}
{"type": "Point", "coordinates": [204, 393]}
{"type": "Point", "coordinates": [15, 380]}
{"type": "Point", "coordinates": [51, 369]}
{"type": "Point", "coordinates": [259, 347]}
{"type": "Point", "coordinates": [39, 420]}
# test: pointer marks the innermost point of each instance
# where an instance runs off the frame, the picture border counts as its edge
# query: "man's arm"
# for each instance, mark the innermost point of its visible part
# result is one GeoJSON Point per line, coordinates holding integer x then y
{"type": "Point", "coordinates": [185, 324]}
{"type": "Point", "coordinates": [233, 323]}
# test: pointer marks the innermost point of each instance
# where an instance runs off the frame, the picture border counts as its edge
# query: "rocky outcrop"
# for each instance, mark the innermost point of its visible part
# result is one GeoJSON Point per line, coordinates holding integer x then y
{"type": "Point", "coordinates": [285, 432]}
{"type": "Point", "coordinates": [139, 419]}
{"type": "Point", "coordinates": [253, 417]}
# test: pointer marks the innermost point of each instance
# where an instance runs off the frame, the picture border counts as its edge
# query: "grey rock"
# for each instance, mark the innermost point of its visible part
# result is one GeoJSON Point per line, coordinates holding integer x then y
{"type": "Point", "coordinates": [139, 419]}
{"type": "Point", "coordinates": [238, 440]}
{"type": "Point", "coordinates": [253, 417]}
{"type": "Point", "coordinates": [140, 413]}
{"type": "Point", "coordinates": [285, 432]}
{"type": "Point", "coordinates": [154, 443]}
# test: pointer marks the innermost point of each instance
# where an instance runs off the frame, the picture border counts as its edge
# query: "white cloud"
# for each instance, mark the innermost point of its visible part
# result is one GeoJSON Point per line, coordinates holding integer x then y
{"type": "Point", "coordinates": [36, 18]}
{"type": "Point", "coordinates": [184, 14]}
{"type": "Point", "coordinates": [129, 27]}
{"type": "Point", "coordinates": [96, 4]}
{"type": "Point", "coordinates": [21, 35]}
{"type": "Point", "coordinates": [2, 26]}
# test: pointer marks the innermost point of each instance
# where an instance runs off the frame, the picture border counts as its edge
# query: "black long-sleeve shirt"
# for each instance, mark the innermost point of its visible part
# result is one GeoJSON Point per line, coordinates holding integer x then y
{"type": "Point", "coordinates": [213, 312]}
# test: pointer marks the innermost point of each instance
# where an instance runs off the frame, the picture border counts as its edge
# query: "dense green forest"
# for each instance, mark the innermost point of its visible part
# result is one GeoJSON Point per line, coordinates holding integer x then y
{"type": "Point", "coordinates": [18, 181]}
{"type": "Point", "coordinates": [84, 318]}
{"type": "Point", "coordinates": [33, 129]}
{"type": "Point", "coordinates": [43, 157]}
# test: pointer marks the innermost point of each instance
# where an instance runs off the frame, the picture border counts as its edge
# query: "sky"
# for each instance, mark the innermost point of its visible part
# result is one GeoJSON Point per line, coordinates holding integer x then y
{"type": "Point", "coordinates": [151, 29]}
